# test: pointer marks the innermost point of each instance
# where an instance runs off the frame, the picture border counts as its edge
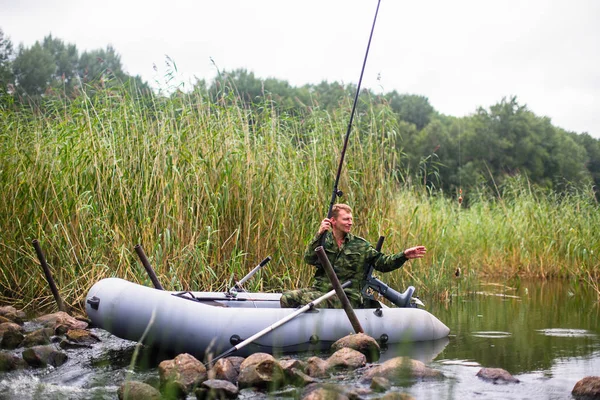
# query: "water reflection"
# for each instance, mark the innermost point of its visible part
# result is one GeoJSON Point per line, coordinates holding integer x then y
{"type": "Point", "coordinates": [421, 351]}
{"type": "Point", "coordinates": [521, 327]}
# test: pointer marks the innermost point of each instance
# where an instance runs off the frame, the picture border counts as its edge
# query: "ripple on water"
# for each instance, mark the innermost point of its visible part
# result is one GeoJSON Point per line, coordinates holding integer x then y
{"type": "Point", "coordinates": [558, 332]}
{"type": "Point", "coordinates": [464, 363]}
{"type": "Point", "coordinates": [491, 334]}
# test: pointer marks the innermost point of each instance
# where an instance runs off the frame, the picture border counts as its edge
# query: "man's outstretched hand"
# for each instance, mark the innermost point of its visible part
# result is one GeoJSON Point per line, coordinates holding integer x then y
{"type": "Point", "coordinates": [415, 252]}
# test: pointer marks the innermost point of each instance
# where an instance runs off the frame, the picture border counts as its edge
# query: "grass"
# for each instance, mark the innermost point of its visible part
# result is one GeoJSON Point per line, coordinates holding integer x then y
{"type": "Point", "coordinates": [211, 188]}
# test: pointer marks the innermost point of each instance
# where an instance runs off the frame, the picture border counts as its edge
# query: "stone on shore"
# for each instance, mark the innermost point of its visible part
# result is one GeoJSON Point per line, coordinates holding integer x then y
{"type": "Point", "coordinates": [587, 388]}
{"type": "Point", "coordinates": [11, 362]}
{"type": "Point", "coordinates": [61, 318]}
{"type": "Point", "coordinates": [260, 370]}
{"type": "Point", "coordinates": [181, 375]}
{"type": "Point", "coordinates": [12, 314]}
{"type": "Point", "coordinates": [216, 389]}
{"type": "Point", "coordinates": [40, 337]}
{"type": "Point", "coordinates": [42, 356]}
{"type": "Point", "coordinates": [399, 369]}
{"type": "Point", "coordinates": [346, 359]}
{"type": "Point", "coordinates": [324, 391]}
{"type": "Point", "coordinates": [223, 369]}
{"type": "Point", "coordinates": [496, 375]}
{"type": "Point", "coordinates": [133, 390]}
{"type": "Point", "coordinates": [316, 367]}
{"type": "Point", "coordinates": [11, 335]}
{"type": "Point", "coordinates": [359, 342]}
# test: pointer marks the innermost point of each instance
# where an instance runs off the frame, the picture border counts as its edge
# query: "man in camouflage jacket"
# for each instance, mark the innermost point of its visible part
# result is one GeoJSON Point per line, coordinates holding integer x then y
{"type": "Point", "coordinates": [349, 256]}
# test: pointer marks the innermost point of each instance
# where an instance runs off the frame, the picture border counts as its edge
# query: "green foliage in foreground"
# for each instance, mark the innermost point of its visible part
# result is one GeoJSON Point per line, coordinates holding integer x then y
{"type": "Point", "coordinates": [209, 189]}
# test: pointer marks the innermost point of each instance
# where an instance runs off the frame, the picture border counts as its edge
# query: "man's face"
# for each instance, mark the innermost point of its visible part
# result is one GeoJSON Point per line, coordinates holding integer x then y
{"type": "Point", "coordinates": [343, 222]}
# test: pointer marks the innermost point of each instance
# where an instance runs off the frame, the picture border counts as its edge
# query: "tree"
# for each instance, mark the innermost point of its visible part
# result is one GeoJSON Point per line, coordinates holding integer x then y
{"type": "Point", "coordinates": [65, 58]}
{"type": "Point", "coordinates": [34, 69]}
{"type": "Point", "coordinates": [6, 52]}
{"type": "Point", "coordinates": [101, 65]}
{"type": "Point", "coordinates": [411, 108]}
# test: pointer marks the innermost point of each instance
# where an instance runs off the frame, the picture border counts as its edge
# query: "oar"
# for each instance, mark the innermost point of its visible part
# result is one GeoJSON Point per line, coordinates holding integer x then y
{"type": "Point", "coordinates": [277, 324]}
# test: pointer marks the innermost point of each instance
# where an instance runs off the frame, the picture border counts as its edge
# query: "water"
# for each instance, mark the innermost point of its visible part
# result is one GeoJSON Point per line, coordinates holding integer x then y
{"type": "Point", "coordinates": [546, 334]}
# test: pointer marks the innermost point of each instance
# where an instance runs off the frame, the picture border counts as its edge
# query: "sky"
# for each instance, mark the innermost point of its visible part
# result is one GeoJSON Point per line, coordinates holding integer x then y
{"type": "Point", "coordinates": [461, 54]}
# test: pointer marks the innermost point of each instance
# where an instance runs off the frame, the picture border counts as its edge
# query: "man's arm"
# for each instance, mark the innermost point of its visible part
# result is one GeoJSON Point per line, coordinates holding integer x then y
{"type": "Point", "coordinates": [387, 263]}
{"type": "Point", "coordinates": [310, 257]}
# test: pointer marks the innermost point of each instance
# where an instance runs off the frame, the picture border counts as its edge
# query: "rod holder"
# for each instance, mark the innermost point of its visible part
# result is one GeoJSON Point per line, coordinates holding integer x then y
{"type": "Point", "coordinates": [140, 252]}
{"type": "Point", "coordinates": [339, 290]}
{"type": "Point", "coordinates": [48, 274]}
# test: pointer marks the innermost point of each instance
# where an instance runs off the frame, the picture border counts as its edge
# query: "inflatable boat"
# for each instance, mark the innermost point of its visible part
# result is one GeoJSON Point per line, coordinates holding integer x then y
{"type": "Point", "coordinates": [203, 323]}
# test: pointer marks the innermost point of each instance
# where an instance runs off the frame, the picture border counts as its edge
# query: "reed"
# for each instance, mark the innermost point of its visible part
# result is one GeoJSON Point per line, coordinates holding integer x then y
{"type": "Point", "coordinates": [211, 188]}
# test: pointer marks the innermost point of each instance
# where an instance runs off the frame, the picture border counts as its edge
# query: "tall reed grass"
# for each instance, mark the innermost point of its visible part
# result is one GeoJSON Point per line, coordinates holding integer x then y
{"type": "Point", "coordinates": [211, 188]}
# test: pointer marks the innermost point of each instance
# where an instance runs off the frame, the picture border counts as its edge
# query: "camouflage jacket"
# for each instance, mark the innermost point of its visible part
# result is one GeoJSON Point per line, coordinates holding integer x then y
{"type": "Point", "coordinates": [349, 263]}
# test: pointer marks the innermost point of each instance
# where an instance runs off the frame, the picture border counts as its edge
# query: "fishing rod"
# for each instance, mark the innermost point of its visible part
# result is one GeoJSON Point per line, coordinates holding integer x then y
{"type": "Point", "coordinates": [336, 192]}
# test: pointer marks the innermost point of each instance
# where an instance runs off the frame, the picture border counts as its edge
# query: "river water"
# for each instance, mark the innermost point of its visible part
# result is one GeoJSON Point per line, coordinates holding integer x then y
{"type": "Point", "coordinates": [546, 334]}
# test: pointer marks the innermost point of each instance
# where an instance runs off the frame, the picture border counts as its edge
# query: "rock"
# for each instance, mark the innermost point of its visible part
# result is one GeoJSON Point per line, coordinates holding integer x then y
{"type": "Point", "coordinates": [11, 335]}
{"type": "Point", "coordinates": [61, 318]}
{"type": "Point", "coordinates": [396, 396]}
{"type": "Point", "coordinates": [296, 377]}
{"type": "Point", "coordinates": [133, 390]}
{"type": "Point", "coordinates": [42, 356]}
{"type": "Point", "coordinates": [60, 330]}
{"type": "Point", "coordinates": [10, 362]}
{"type": "Point", "coordinates": [39, 337]}
{"type": "Point", "coordinates": [380, 384]}
{"type": "Point", "coordinates": [180, 376]}
{"type": "Point", "coordinates": [260, 370]}
{"type": "Point", "coordinates": [316, 367]}
{"type": "Point", "coordinates": [12, 314]}
{"type": "Point", "coordinates": [359, 342]}
{"type": "Point", "coordinates": [587, 388]}
{"type": "Point", "coordinates": [293, 364]}
{"type": "Point", "coordinates": [217, 389]}
{"type": "Point", "coordinates": [10, 326]}
{"type": "Point", "coordinates": [224, 370]}
{"type": "Point", "coordinates": [400, 369]}
{"type": "Point", "coordinates": [295, 372]}
{"type": "Point", "coordinates": [346, 359]}
{"type": "Point", "coordinates": [82, 336]}
{"type": "Point", "coordinates": [359, 393]}
{"type": "Point", "coordinates": [67, 344]}
{"type": "Point", "coordinates": [236, 361]}
{"type": "Point", "coordinates": [318, 391]}
{"type": "Point", "coordinates": [496, 375]}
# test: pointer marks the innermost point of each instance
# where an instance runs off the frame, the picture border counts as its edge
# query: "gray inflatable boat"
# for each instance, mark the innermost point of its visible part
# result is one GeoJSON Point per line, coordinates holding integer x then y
{"type": "Point", "coordinates": [202, 323]}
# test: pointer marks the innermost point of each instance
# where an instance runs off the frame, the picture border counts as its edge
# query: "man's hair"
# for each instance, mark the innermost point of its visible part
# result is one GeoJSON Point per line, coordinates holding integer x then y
{"type": "Point", "coordinates": [335, 211]}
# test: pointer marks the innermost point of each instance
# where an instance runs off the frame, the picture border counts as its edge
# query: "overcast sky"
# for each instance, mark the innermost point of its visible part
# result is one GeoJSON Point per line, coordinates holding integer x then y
{"type": "Point", "coordinates": [461, 54]}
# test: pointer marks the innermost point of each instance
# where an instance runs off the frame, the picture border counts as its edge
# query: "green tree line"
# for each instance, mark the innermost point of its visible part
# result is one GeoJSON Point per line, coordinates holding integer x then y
{"type": "Point", "coordinates": [443, 153]}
